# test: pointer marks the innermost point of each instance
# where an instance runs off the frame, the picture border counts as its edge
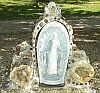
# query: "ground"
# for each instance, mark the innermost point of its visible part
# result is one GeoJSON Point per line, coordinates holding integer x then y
{"type": "Point", "coordinates": [87, 38]}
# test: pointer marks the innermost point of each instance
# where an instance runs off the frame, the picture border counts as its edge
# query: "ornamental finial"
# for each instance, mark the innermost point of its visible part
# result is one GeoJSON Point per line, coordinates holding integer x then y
{"type": "Point", "coordinates": [52, 10]}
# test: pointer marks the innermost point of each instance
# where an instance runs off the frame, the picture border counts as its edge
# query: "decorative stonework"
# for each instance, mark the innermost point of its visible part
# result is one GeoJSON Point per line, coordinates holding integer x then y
{"type": "Point", "coordinates": [52, 10]}
{"type": "Point", "coordinates": [80, 70]}
{"type": "Point", "coordinates": [21, 75]}
{"type": "Point", "coordinates": [53, 58]}
{"type": "Point", "coordinates": [50, 17]}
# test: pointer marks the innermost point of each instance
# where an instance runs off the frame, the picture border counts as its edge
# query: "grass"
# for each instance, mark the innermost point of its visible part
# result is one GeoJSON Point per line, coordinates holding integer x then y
{"type": "Point", "coordinates": [25, 9]}
{"type": "Point", "coordinates": [17, 9]}
{"type": "Point", "coordinates": [89, 8]}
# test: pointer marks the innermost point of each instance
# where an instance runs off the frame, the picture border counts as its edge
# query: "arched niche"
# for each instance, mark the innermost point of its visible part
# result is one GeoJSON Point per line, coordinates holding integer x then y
{"type": "Point", "coordinates": [52, 51]}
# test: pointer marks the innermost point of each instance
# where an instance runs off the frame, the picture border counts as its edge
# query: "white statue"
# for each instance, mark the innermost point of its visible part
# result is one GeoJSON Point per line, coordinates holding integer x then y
{"type": "Point", "coordinates": [52, 66]}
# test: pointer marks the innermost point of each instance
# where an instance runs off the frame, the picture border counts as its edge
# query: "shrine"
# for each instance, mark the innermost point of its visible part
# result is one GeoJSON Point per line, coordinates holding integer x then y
{"type": "Point", "coordinates": [53, 59]}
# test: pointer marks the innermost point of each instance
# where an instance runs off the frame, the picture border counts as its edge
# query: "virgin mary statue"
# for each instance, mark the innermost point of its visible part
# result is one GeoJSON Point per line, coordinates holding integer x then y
{"type": "Point", "coordinates": [53, 57]}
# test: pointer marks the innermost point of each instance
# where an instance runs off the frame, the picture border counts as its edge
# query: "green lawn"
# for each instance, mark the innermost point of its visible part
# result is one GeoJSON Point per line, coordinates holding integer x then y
{"type": "Point", "coordinates": [89, 8]}
{"type": "Point", "coordinates": [25, 9]}
{"type": "Point", "coordinates": [17, 9]}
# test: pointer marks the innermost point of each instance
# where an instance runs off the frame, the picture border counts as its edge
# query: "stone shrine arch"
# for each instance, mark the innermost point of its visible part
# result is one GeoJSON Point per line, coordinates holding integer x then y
{"type": "Point", "coordinates": [42, 38]}
{"type": "Point", "coordinates": [53, 59]}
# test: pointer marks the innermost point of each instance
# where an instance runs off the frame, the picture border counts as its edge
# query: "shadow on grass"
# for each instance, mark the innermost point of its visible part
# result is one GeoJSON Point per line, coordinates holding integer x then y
{"type": "Point", "coordinates": [28, 11]}
{"type": "Point", "coordinates": [18, 12]}
{"type": "Point", "coordinates": [73, 12]}
{"type": "Point", "coordinates": [75, 1]}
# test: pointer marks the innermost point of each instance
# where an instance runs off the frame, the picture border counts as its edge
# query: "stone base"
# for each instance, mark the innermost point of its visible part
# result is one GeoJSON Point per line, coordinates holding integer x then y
{"type": "Point", "coordinates": [50, 90]}
{"type": "Point", "coordinates": [52, 86]}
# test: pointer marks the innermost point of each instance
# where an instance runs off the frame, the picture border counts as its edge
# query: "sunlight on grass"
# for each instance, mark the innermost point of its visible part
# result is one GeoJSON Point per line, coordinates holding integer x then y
{"type": "Point", "coordinates": [14, 2]}
{"type": "Point", "coordinates": [91, 6]}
